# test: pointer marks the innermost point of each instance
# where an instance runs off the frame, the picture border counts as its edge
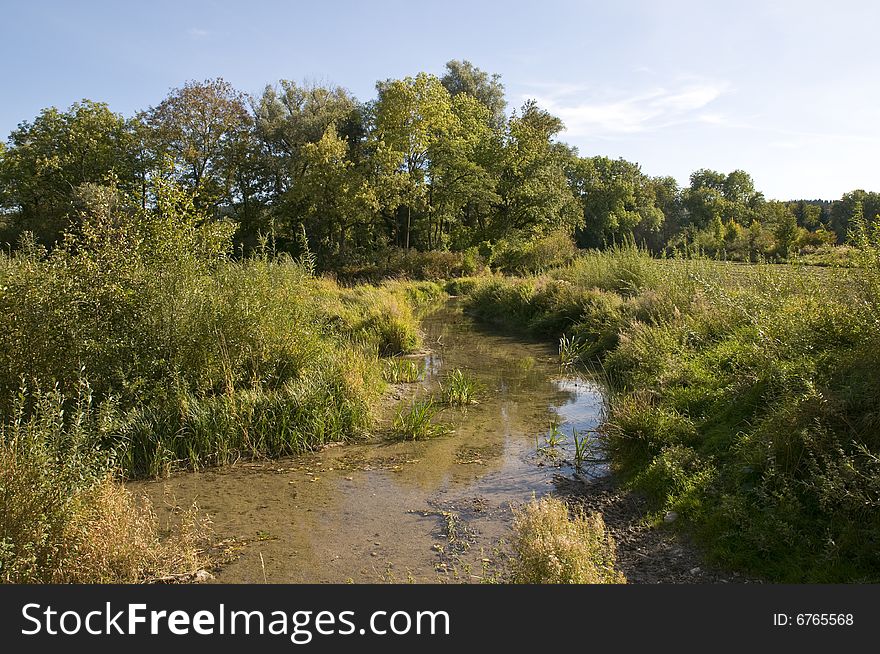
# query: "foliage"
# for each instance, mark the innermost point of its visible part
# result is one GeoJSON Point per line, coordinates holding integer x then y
{"type": "Point", "coordinates": [429, 164]}
{"type": "Point", "coordinates": [742, 396]}
{"type": "Point", "coordinates": [402, 371]}
{"type": "Point", "coordinates": [522, 256]}
{"type": "Point", "coordinates": [211, 359]}
{"type": "Point", "coordinates": [48, 159]}
{"type": "Point", "coordinates": [618, 200]}
{"type": "Point", "coordinates": [200, 126]}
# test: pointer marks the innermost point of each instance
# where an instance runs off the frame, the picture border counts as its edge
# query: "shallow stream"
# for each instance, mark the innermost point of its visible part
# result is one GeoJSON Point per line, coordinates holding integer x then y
{"type": "Point", "coordinates": [422, 511]}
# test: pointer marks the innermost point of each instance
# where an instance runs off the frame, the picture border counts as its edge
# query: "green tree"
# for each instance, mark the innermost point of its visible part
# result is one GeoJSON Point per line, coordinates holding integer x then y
{"type": "Point", "coordinates": [291, 115]}
{"type": "Point", "coordinates": [617, 200]}
{"type": "Point", "coordinates": [464, 77]}
{"type": "Point", "coordinates": [335, 195]}
{"type": "Point", "coordinates": [463, 176]}
{"type": "Point", "coordinates": [783, 222]}
{"type": "Point", "coordinates": [731, 197]}
{"type": "Point", "coordinates": [842, 210]}
{"type": "Point", "coordinates": [202, 126]}
{"type": "Point", "coordinates": [533, 187]}
{"type": "Point", "coordinates": [412, 115]}
{"type": "Point", "coordinates": [46, 160]}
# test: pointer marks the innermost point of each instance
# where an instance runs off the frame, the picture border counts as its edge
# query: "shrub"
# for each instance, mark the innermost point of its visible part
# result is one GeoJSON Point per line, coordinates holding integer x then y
{"type": "Point", "coordinates": [529, 256]}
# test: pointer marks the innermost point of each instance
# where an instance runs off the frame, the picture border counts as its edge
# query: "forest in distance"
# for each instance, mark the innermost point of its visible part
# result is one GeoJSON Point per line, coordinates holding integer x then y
{"type": "Point", "coordinates": [431, 163]}
{"type": "Point", "coordinates": [224, 278]}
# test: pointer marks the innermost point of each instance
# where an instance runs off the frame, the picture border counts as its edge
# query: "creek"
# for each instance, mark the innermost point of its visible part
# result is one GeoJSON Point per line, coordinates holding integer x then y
{"type": "Point", "coordinates": [426, 511]}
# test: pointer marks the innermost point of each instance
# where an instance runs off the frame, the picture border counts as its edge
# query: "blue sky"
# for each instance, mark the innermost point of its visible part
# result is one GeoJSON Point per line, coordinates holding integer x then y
{"type": "Point", "coordinates": [785, 90]}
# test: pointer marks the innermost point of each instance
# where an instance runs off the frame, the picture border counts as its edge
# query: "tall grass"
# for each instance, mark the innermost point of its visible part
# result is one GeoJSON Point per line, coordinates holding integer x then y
{"type": "Point", "coordinates": [459, 388]}
{"type": "Point", "coordinates": [744, 397]}
{"type": "Point", "coordinates": [553, 547]}
{"type": "Point", "coordinates": [63, 518]}
{"type": "Point", "coordinates": [209, 359]}
{"type": "Point", "coordinates": [416, 422]}
{"type": "Point", "coordinates": [192, 358]}
{"type": "Point", "coordinates": [402, 371]}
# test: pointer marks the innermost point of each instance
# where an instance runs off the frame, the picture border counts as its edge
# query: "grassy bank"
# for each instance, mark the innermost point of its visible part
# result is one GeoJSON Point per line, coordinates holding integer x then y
{"type": "Point", "coordinates": [141, 346]}
{"type": "Point", "coordinates": [199, 358]}
{"type": "Point", "coordinates": [744, 398]}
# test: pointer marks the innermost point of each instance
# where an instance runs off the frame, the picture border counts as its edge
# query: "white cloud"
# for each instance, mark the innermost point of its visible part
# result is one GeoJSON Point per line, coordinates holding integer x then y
{"type": "Point", "coordinates": [586, 114]}
{"type": "Point", "coordinates": [197, 32]}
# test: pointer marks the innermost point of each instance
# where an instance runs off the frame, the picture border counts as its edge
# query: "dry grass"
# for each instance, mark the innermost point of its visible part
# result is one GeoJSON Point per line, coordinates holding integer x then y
{"type": "Point", "coordinates": [553, 547]}
{"type": "Point", "coordinates": [103, 534]}
{"type": "Point", "coordinates": [63, 516]}
{"type": "Point", "coordinates": [116, 540]}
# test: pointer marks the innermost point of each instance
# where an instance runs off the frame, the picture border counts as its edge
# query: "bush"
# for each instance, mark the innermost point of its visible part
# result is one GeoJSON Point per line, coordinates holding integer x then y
{"type": "Point", "coordinates": [529, 256]}
{"type": "Point", "coordinates": [742, 396]}
{"type": "Point", "coordinates": [210, 359]}
{"type": "Point", "coordinates": [401, 263]}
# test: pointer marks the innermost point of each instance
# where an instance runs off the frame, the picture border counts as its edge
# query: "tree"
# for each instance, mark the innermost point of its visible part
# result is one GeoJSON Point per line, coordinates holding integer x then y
{"type": "Point", "coordinates": [411, 116]}
{"type": "Point", "coordinates": [290, 116]}
{"type": "Point", "coordinates": [617, 199]}
{"type": "Point", "coordinates": [842, 210]}
{"type": "Point", "coordinates": [201, 126]}
{"type": "Point", "coordinates": [464, 77]}
{"type": "Point", "coordinates": [48, 159]}
{"type": "Point", "coordinates": [463, 175]}
{"type": "Point", "coordinates": [534, 191]}
{"type": "Point", "coordinates": [335, 194]}
{"type": "Point", "coordinates": [731, 197]}
{"type": "Point", "coordinates": [669, 201]}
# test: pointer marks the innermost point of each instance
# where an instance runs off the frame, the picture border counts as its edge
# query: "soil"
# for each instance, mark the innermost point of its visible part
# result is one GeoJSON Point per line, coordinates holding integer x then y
{"type": "Point", "coordinates": [646, 553]}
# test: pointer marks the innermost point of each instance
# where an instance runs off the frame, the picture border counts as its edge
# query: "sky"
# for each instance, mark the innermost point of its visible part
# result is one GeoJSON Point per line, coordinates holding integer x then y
{"type": "Point", "coordinates": [786, 90]}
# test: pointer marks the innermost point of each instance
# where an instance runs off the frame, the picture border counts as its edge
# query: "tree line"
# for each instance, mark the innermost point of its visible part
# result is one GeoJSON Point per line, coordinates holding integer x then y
{"type": "Point", "coordinates": [430, 163]}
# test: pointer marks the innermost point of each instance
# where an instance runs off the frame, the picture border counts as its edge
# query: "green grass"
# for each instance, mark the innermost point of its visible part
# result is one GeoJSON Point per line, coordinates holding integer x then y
{"type": "Point", "coordinates": [209, 359]}
{"type": "Point", "coordinates": [584, 447]}
{"type": "Point", "coordinates": [140, 346]}
{"type": "Point", "coordinates": [744, 397]}
{"type": "Point", "coordinates": [416, 421]}
{"type": "Point", "coordinates": [459, 388]}
{"type": "Point", "coordinates": [402, 371]}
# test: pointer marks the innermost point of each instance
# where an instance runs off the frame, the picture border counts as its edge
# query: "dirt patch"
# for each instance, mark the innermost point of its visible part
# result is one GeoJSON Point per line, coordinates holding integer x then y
{"type": "Point", "coordinates": [646, 554]}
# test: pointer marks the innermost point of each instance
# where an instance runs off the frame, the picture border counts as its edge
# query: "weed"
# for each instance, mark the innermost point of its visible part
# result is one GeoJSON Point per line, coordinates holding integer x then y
{"type": "Point", "coordinates": [459, 388]}
{"type": "Point", "coordinates": [402, 371]}
{"type": "Point", "coordinates": [584, 448]}
{"type": "Point", "coordinates": [551, 547]}
{"type": "Point", "coordinates": [416, 421]}
{"type": "Point", "coordinates": [64, 519]}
